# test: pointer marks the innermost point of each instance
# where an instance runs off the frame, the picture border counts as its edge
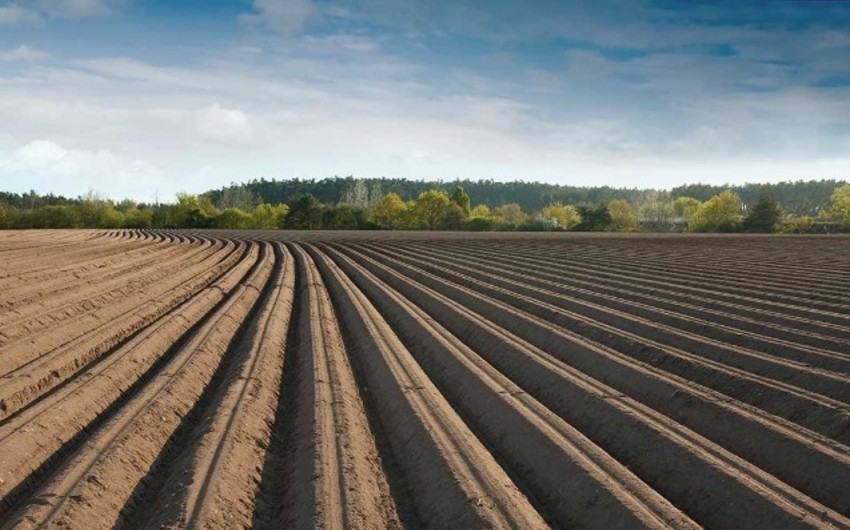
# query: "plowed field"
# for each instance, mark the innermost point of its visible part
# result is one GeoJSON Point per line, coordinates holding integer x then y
{"type": "Point", "coordinates": [408, 380]}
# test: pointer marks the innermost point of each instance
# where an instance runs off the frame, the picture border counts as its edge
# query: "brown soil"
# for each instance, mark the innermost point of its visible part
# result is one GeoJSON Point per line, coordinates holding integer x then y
{"type": "Point", "coordinates": [215, 379]}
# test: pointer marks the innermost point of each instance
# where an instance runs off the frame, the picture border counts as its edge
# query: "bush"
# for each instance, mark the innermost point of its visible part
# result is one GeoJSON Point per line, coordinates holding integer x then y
{"type": "Point", "coordinates": [531, 226]}
{"type": "Point", "coordinates": [797, 225]}
{"type": "Point", "coordinates": [234, 218]}
{"type": "Point", "coordinates": [479, 224]}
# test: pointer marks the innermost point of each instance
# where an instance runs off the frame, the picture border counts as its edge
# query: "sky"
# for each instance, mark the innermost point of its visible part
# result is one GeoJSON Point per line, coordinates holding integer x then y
{"type": "Point", "coordinates": [147, 98]}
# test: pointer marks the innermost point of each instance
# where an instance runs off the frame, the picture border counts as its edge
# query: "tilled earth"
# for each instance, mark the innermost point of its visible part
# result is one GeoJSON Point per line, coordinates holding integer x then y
{"type": "Point", "coordinates": [272, 379]}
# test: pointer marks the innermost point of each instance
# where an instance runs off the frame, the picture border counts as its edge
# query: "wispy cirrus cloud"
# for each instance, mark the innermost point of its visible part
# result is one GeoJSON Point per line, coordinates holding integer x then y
{"type": "Point", "coordinates": [287, 16]}
{"type": "Point", "coordinates": [23, 53]}
{"type": "Point", "coordinates": [36, 11]}
{"type": "Point", "coordinates": [14, 13]}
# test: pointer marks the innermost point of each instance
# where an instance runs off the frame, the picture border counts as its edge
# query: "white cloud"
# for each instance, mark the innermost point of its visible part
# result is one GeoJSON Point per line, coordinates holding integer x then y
{"type": "Point", "coordinates": [15, 14]}
{"type": "Point", "coordinates": [37, 10]}
{"type": "Point", "coordinates": [48, 166]}
{"type": "Point", "coordinates": [224, 125]}
{"type": "Point", "coordinates": [286, 16]}
{"type": "Point", "coordinates": [346, 42]}
{"type": "Point", "coordinates": [23, 53]}
{"type": "Point", "coordinates": [303, 112]}
{"type": "Point", "coordinates": [79, 8]}
{"type": "Point", "coordinates": [47, 156]}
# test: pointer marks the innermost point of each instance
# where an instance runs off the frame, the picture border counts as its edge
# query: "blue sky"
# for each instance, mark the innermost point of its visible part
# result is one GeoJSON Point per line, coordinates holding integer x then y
{"type": "Point", "coordinates": [135, 97]}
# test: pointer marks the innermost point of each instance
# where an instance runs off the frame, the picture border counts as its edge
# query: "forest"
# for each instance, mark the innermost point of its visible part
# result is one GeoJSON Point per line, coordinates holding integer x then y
{"type": "Point", "coordinates": [485, 205]}
{"type": "Point", "coordinates": [797, 197]}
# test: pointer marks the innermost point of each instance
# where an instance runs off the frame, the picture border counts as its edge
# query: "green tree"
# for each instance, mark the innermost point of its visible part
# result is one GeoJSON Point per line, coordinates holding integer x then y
{"type": "Point", "coordinates": [721, 213]}
{"type": "Point", "coordinates": [764, 215]}
{"type": "Point", "coordinates": [344, 217]}
{"type": "Point", "coordinates": [511, 215]}
{"type": "Point", "coordinates": [482, 211]}
{"type": "Point", "coordinates": [839, 208]}
{"type": "Point", "coordinates": [389, 212]}
{"type": "Point", "coordinates": [793, 224]}
{"type": "Point", "coordinates": [594, 218]}
{"type": "Point", "coordinates": [357, 194]}
{"type": "Point", "coordinates": [126, 205]}
{"type": "Point", "coordinates": [454, 217]}
{"type": "Point", "coordinates": [566, 216]}
{"type": "Point", "coordinates": [268, 217]}
{"type": "Point", "coordinates": [190, 211]}
{"type": "Point", "coordinates": [305, 213]}
{"type": "Point", "coordinates": [479, 224]}
{"type": "Point", "coordinates": [97, 212]}
{"type": "Point", "coordinates": [410, 217]}
{"type": "Point", "coordinates": [460, 197]}
{"type": "Point", "coordinates": [138, 218]}
{"type": "Point", "coordinates": [237, 196]}
{"type": "Point", "coordinates": [235, 219]}
{"type": "Point", "coordinates": [686, 207]}
{"type": "Point", "coordinates": [655, 210]}
{"type": "Point", "coordinates": [60, 216]}
{"type": "Point", "coordinates": [623, 218]}
{"type": "Point", "coordinates": [431, 208]}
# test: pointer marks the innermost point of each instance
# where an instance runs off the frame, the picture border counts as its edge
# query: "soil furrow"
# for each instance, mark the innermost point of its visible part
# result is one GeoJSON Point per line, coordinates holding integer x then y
{"type": "Point", "coordinates": [681, 399]}
{"type": "Point", "coordinates": [36, 437]}
{"type": "Point", "coordinates": [541, 447]}
{"type": "Point", "coordinates": [745, 287]}
{"type": "Point", "coordinates": [101, 477]}
{"type": "Point", "coordinates": [732, 314]}
{"type": "Point", "coordinates": [25, 293]}
{"type": "Point", "coordinates": [604, 323]}
{"type": "Point", "coordinates": [32, 378]}
{"type": "Point", "coordinates": [630, 273]}
{"type": "Point", "coordinates": [73, 304]}
{"type": "Point", "coordinates": [677, 335]}
{"type": "Point", "coordinates": [458, 484]}
{"type": "Point", "coordinates": [332, 379]}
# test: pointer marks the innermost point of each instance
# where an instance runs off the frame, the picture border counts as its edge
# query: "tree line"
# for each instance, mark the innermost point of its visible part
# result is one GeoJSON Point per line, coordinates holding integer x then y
{"type": "Point", "coordinates": [797, 197]}
{"type": "Point", "coordinates": [436, 208]}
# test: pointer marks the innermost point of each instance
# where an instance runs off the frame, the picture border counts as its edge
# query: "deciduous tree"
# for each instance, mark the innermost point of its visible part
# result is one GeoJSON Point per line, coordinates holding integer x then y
{"type": "Point", "coordinates": [431, 208]}
{"type": "Point", "coordinates": [237, 196]}
{"type": "Point", "coordinates": [389, 212]}
{"type": "Point", "coordinates": [566, 216]}
{"type": "Point", "coordinates": [721, 213]}
{"type": "Point", "coordinates": [481, 211]}
{"type": "Point", "coordinates": [623, 218]}
{"type": "Point", "coordinates": [686, 207]}
{"type": "Point", "coordinates": [511, 215]}
{"type": "Point", "coordinates": [655, 211]}
{"type": "Point", "coordinates": [235, 219]}
{"type": "Point", "coordinates": [268, 217]}
{"type": "Point", "coordinates": [97, 212]}
{"type": "Point", "coordinates": [190, 211]}
{"type": "Point", "coordinates": [839, 207]}
{"type": "Point", "coordinates": [138, 218]}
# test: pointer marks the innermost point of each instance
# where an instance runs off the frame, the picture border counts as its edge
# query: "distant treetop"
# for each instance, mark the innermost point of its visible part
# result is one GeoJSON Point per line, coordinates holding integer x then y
{"type": "Point", "coordinates": [797, 197]}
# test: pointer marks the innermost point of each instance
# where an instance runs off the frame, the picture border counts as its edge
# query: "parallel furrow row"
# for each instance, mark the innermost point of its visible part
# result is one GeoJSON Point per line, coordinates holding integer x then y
{"type": "Point", "coordinates": [268, 379]}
